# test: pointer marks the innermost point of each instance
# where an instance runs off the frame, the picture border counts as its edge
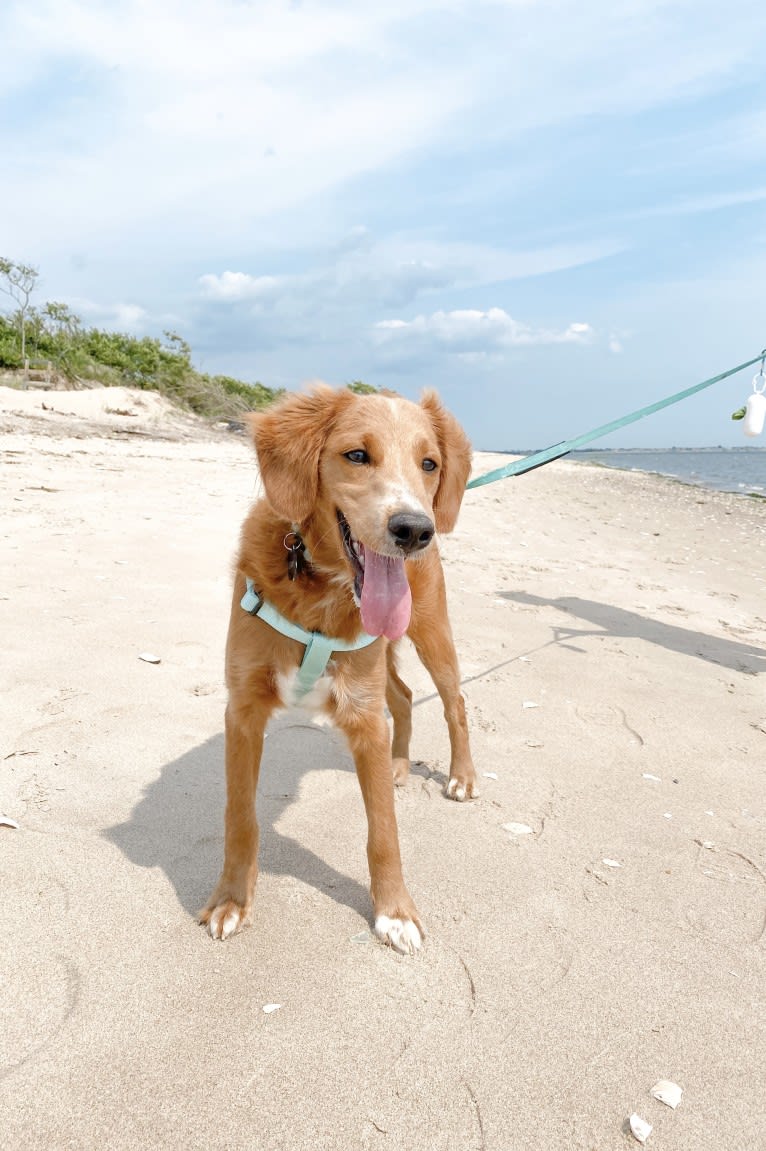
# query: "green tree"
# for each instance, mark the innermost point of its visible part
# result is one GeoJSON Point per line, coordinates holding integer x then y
{"type": "Point", "coordinates": [60, 320]}
{"type": "Point", "coordinates": [60, 336]}
{"type": "Point", "coordinates": [92, 354]}
{"type": "Point", "coordinates": [9, 344]}
{"type": "Point", "coordinates": [361, 388]}
{"type": "Point", "coordinates": [18, 281]}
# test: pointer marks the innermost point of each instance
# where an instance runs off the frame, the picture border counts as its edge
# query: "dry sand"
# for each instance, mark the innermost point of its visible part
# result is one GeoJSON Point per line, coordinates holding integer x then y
{"type": "Point", "coordinates": [554, 989]}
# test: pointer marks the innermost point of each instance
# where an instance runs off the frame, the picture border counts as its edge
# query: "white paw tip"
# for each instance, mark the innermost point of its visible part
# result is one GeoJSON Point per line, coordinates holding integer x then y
{"type": "Point", "coordinates": [401, 934]}
{"type": "Point", "coordinates": [457, 790]}
{"type": "Point", "coordinates": [221, 926]}
{"type": "Point", "coordinates": [230, 925]}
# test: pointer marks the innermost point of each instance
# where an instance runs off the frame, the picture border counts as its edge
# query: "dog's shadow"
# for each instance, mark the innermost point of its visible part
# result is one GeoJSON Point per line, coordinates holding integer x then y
{"type": "Point", "coordinates": [619, 623]}
{"type": "Point", "coordinates": [177, 825]}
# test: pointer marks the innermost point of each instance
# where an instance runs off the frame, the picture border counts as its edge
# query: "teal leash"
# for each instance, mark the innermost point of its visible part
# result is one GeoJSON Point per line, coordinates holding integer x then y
{"type": "Point", "coordinates": [556, 451]}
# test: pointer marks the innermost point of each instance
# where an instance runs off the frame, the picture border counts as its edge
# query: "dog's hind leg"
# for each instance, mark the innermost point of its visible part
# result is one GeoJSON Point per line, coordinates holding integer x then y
{"type": "Point", "coordinates": [229, 907]}
{"type": "Point", "coordinates": [441, 664]}
{"type": "Point", "coordinates": [432, 636]}
{"type": "Point", "coordinates": [399, 701]}
{"type": "Point", "coordinates": [396, 918]}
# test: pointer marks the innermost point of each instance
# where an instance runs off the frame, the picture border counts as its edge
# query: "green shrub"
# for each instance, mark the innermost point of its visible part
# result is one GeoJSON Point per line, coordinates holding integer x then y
{"type": "Point", "coordinates": [53, 333]}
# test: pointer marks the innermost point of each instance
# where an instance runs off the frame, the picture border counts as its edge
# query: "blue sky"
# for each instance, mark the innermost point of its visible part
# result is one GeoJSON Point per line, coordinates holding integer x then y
{"type": "Point", "coordinates": [553, 212]}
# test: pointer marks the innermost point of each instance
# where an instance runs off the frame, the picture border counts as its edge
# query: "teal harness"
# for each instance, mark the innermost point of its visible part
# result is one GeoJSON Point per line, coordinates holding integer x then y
{"type": "Point", "coordinates": [319, 648]}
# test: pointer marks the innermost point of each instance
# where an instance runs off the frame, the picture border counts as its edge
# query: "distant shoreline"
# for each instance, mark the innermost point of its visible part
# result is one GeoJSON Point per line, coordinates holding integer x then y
{"type": "Point", "coordinates": [739, 470]}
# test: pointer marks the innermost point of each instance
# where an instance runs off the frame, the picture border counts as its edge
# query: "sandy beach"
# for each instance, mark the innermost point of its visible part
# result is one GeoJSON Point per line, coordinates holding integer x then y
{"type": "Point", "coordinates": [596, 920]}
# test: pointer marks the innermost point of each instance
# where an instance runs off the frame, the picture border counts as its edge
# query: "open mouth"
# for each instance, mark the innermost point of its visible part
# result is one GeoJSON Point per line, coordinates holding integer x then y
{"type": "Point", "coordinates": [355, 552]}
{"type": "Point", "coordinates": [381, 588]}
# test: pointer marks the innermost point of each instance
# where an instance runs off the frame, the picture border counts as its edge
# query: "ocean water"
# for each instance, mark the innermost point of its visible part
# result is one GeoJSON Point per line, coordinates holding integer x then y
{"type": "Point", "coordinates": [740, 470]}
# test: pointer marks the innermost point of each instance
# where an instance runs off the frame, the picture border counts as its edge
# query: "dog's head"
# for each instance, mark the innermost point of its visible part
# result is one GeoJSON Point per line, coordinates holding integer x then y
{"type": "Point", "coordinates": [379, 471]}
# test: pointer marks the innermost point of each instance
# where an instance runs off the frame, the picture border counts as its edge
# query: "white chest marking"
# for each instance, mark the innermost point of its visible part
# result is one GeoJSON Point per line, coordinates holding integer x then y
{"type": "Point", "coordinates": [314, 700]}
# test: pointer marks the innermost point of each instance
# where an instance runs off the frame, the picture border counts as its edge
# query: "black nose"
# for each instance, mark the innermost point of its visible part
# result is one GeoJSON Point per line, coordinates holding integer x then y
{"type": "Point", "coordinates": [411, 531]}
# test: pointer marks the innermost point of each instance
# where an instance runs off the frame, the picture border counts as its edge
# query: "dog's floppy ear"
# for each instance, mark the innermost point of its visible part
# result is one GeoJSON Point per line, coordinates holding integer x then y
{"type": "Point", "coordinates": [289, 437]}
{"type": "Point", "coordinates": [456, 462]}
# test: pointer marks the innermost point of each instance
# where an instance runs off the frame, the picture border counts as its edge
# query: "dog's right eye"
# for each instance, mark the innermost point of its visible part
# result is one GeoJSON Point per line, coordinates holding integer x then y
{"type": "Point", "coordinates": [358, 456]}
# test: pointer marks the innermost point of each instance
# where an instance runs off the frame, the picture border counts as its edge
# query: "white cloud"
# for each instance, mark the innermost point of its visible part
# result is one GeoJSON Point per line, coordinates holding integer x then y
{"type": "Point", "coordinates": [216, 149]}
{"type": "Point", "coordinates": [129, 317]}
{"type": "Point", "coordinates": [698, 205]}
{"type": "Point", "coordinates": [121, 317]}
{"type": "Point", "coordinates": [238, 286]}
{"type": "Point", "coordinates": [363, 277]}
{"type": "Point", "coordinates": [362, 271]}
{"type": "Point", "coordinates": [474, 264]}
{"type": "Point", "coordinates": [209, 115]}
{"type": "Point", "coordinates": [469, 331]}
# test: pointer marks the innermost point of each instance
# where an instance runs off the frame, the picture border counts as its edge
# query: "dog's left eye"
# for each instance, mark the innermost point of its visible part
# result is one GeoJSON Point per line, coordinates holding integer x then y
{"type": "Point", "coordinates": [429, 465]}
{"type": "Point", "coordinates": [358, 456]}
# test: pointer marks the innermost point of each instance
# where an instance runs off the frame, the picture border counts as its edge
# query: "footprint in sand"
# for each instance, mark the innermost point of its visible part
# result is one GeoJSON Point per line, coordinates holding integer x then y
{"type": "Point", "coordinates": [605, 715]}
{"type": "Point", "coordinates": [734, 908]}
{"type": "Point", "coordinates": [39, 996]}
{"type": "Point", "coordinates": [542, 956]}
{"type": "Point", "coordinates": [710, 890]}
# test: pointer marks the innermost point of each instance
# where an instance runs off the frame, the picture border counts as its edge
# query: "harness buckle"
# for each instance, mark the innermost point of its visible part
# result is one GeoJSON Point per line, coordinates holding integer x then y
{"type": "Point", "coordinates": [251, 601]}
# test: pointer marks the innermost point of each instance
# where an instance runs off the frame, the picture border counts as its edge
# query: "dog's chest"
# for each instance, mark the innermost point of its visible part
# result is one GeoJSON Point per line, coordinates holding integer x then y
{"type": "Point", "coordinates": [337, 694]}
{"type": "Point", "coordinates": [292, 694]}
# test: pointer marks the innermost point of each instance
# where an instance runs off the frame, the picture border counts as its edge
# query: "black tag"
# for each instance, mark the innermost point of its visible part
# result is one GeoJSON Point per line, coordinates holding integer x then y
{"type": "Point", "coordinates": [296, 559]}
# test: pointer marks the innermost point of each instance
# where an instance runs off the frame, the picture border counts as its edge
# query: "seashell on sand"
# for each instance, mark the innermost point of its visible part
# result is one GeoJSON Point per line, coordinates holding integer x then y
{"type": "Point", "coordinates": [639, 1128]}
{"type": "Point", "coordinates": [667, 1092]}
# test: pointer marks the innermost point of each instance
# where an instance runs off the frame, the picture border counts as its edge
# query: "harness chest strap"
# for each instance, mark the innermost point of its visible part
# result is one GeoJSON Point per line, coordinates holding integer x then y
{"type": "Point", "coordinates": [319, 648]}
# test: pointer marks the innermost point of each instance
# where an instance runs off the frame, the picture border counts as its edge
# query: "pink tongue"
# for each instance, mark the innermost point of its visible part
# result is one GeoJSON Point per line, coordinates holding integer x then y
{"type": "Point", "coordinates": [386, 597]}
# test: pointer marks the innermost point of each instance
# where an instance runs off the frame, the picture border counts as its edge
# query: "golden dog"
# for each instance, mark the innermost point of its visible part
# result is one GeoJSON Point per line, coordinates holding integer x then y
{"type": "Point", "coordinates": [336, 564]}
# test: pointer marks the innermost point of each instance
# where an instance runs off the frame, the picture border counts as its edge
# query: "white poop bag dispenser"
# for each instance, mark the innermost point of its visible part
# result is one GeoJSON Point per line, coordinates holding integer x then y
{"type": "Point", "coordinates": [754, 412]}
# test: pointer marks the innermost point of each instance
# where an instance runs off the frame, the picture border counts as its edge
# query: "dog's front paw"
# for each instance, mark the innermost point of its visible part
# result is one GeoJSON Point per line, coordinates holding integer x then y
{"type": "Point", "coordinates": [224, 919]}
{"type": "Point", "coordinates": [462, 786]}
{"type": "Point", "coordinates": [403, 935]}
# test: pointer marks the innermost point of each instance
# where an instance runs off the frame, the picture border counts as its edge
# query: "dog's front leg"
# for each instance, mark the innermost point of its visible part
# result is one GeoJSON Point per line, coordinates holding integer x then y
{"type": "Point", "coordinates": [229, 907]}
{"type": "Point", "coordinates": [396, 918]}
